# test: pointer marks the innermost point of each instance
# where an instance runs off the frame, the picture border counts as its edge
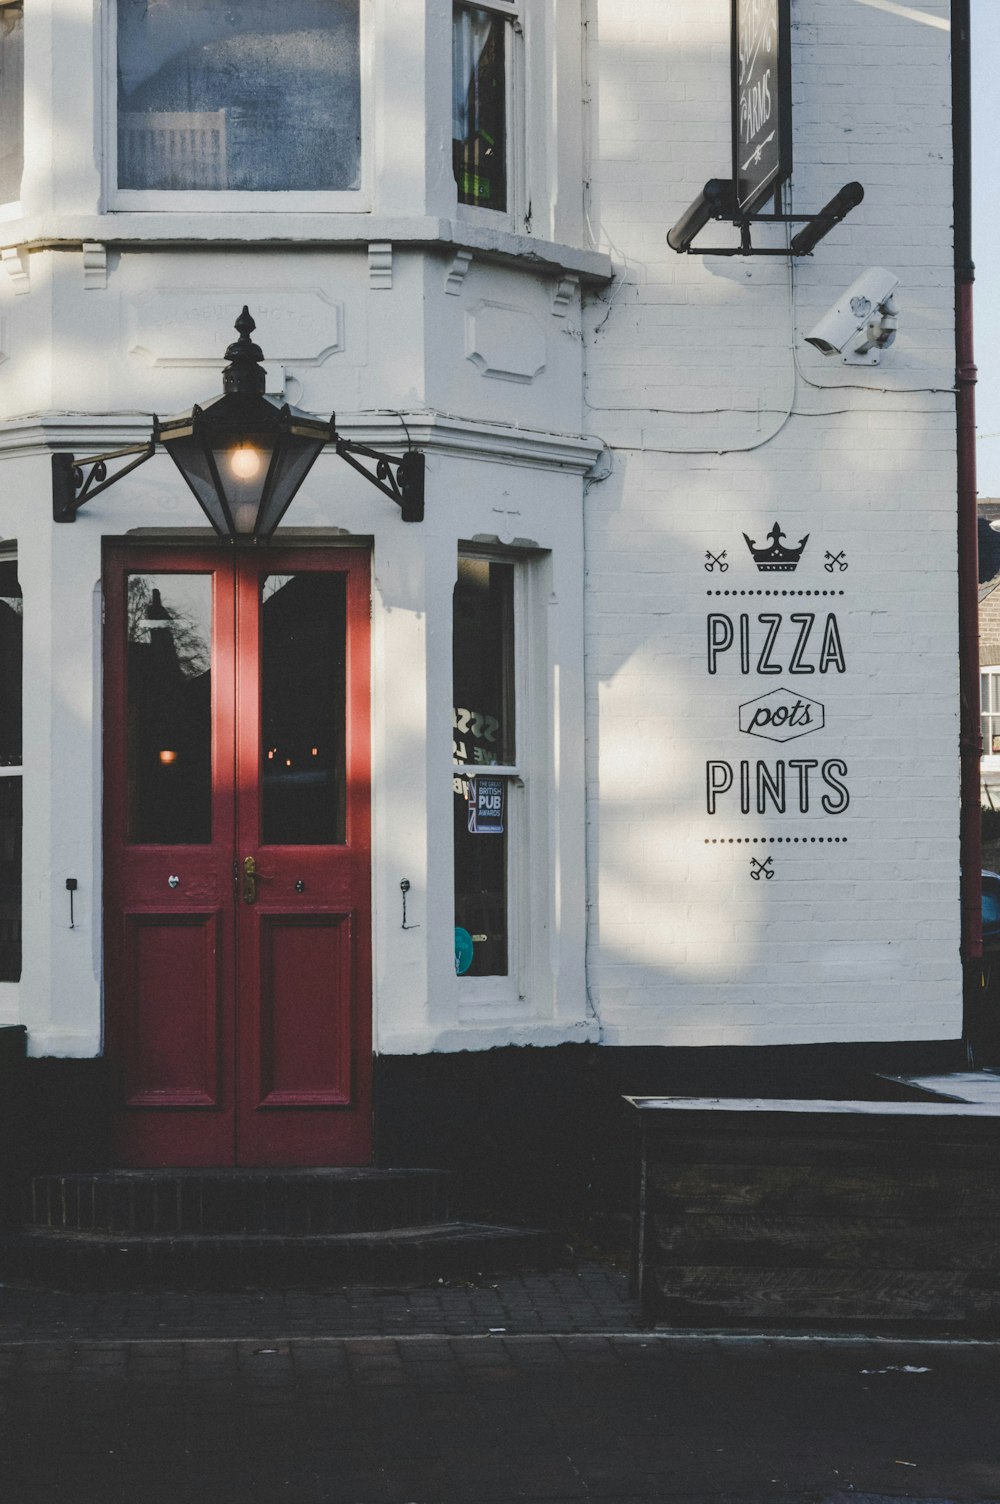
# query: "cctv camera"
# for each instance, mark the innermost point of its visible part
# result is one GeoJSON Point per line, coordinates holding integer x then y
{"type": "Point", "coordinates": [863, 321]}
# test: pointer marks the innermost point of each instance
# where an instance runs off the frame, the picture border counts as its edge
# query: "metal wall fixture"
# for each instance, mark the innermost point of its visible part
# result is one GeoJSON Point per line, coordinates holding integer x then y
{"type": "Point", "coordinates": [717, 201]}
{"type": "Point", "coordinates": [243, 455]}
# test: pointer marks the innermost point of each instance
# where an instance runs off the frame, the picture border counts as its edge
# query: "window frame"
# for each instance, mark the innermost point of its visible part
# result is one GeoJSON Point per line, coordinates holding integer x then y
{"type": "Point", "coordinates": [989, 673]}
{"type": "Point", "coordinates": [509, 990]}
{"type": "Point", "coordinates": [236, 200]}
{"type": "Point", "coordinates": [514, 13]}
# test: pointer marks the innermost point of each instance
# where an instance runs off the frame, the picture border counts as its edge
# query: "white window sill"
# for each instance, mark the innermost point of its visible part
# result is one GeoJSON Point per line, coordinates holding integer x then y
{"type": "Point", "coordinates": [145, 228]}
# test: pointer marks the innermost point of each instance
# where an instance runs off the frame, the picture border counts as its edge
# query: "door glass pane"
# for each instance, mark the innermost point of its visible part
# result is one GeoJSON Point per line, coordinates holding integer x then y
{"type": "Point", "coordinates": [10, 664]}
{"type": "Point", "coordinates": [169, 709]}
{"type": "Point", "coordinates": [482, 734]}
{"type": "Point", "coordinates": [255, 96]}
{"type": "Point", "coordinates": [303, 690]}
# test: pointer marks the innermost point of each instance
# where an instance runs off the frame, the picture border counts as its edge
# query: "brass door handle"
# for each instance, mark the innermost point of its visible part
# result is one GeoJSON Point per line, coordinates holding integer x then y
{"type": "Point", "coordinates": [249, 879]}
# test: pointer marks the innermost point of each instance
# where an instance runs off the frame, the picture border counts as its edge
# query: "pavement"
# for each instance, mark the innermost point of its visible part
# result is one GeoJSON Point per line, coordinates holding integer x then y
{"type": "Point", "coordinates": [535, 1387]}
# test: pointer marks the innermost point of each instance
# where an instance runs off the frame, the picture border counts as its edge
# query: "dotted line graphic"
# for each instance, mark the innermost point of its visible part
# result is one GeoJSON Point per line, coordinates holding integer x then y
{"type": "Point", "coordinates": [775, 592]}
{"type": "Point", "coordinates": [776, 840]}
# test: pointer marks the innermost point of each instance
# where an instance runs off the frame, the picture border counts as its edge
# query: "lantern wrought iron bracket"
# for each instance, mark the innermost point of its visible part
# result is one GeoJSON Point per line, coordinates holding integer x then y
{"type": "Point", "coordinates": [399, 478]}
{"type": "Point", "coordinates": [77, 481]}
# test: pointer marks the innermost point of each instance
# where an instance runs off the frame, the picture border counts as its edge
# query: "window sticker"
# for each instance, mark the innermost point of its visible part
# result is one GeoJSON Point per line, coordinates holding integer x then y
{"type": "Point", "coordinates": [486, 802]}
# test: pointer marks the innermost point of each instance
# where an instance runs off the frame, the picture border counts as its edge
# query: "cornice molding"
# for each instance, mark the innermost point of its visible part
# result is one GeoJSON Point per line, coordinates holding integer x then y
{"type": "Point", "coordinates": [434, 433]}
{"type": "Point", "coordinates": [212, 231]}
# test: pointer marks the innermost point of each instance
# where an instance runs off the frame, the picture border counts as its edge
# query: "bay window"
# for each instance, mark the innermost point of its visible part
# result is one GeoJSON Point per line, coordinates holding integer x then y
{"type": "Point", "coordinates": [486, 775]}
{"type": "Point", "coordinates": [255, 97]}
{"type": "Point", "coordinates": [11, 99]}
{"type": "Point", "coordinates": [484, 77]}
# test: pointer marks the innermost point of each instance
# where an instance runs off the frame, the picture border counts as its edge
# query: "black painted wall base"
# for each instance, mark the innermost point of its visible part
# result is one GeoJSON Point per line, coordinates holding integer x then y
{"type": "Point", "coordinates": [533, 1134]}
{"type": "Point", "coordinates": [543, 1133]}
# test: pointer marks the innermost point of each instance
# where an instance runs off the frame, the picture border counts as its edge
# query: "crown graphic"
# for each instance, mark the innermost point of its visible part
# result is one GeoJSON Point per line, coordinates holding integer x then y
{"type": "Point", "coordinates": [776, 556]}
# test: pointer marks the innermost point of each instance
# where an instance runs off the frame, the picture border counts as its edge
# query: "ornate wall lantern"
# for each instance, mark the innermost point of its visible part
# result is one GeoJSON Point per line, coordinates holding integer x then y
{"type": "Point", "coordinates": [243, 455]}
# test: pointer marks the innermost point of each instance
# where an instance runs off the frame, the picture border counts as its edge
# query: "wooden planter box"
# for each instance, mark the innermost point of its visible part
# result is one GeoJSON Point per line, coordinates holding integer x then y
{"type": "Point", "coordinates": [769, 1213]}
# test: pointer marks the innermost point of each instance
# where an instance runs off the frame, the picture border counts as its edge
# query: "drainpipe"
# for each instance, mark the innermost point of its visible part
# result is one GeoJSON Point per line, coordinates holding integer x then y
{"type": "Point", "coordinates": [968, 551]}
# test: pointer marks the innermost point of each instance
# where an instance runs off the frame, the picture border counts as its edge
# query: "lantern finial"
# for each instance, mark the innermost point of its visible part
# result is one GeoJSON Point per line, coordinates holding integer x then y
{"type": "Point", "coordinates": [245, 374]}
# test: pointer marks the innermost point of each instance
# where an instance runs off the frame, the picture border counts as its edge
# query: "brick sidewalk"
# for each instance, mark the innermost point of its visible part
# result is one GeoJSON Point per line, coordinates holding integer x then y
{"type": "Point", "coordinates": [592, 1298]}
{"type": "Point", "coordinates": [446, 1420]}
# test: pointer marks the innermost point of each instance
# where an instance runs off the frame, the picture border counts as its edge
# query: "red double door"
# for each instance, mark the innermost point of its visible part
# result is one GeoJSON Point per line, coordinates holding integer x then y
{"type": "Point", "coordinates": [238, 856]}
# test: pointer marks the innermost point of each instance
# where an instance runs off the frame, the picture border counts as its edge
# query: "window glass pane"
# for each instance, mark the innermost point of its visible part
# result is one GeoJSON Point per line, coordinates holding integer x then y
{"type": "Point", "coordinates": [263, 94]}
{"type": "Point", "coordinates": [10, 665]}
{"type": "Point", "coordinates": [10, 879]}
{"type": "Point", "coordinates": [483, 663]}
{"type": "Point", "coordinates": [11, 100]}
{"type": "Point", "coordinates": [479, 107]}
{"type": "Point", "coordinates": [483, 734]}
{"type": "Point", "coordinates": [169, 709]}
{"type": "Point", "coordinates": [303, 688]}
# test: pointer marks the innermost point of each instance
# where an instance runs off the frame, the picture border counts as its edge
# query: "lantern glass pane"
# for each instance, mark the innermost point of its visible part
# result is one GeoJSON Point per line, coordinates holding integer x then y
{"type": "Point", "coordinates": [295, 459]}
{"type": "Point", "coordinates": [192, 461]}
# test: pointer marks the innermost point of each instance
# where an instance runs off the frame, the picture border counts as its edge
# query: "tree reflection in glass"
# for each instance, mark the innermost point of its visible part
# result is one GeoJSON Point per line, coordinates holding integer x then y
{"type": "Point", "coordinates": [169, 709]}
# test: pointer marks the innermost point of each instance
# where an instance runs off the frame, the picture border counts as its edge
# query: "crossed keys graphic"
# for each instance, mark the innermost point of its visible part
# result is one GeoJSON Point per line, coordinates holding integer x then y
{"type": "Point", "coordinates": [835, 561]}
{"type": "Point", "coordinates": [716, 559]}
{"type": "Point", "coordinates": [761, 869]}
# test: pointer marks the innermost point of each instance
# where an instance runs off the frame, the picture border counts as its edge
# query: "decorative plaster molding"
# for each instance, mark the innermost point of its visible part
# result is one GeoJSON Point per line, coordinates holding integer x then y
{"type": "Point", "coordinates": [380, 265]}
{"type": "Point", "coordinates": [190, 327]}
{"type": "Point", "coordinates": [455, 275]}
{"type": "Point", "coordinates": [565, 291]}
{"type": "Point", "coordinates": [95, 265]}
{"type": "Point", "coordinates": [15, 263]}
{"type": "Point", "coordinates": [504, 342]}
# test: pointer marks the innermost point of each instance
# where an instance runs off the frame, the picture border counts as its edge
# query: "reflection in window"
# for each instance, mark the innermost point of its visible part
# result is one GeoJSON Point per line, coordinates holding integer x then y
{"type": "Point", "coordinates": [482, 734]}
{"type": "Point", "coordinates": [11, 99]}
{"type": "Point", "coordinates": [169, 715]}
{"type": "Point", "coordinates": [303, 689]}
{"type": "Point", "coordinates": [264, 95]}
{"type": "Point", "coordinates": [479, 106]}
{"type": "Point", "coordinates": [10, 768]}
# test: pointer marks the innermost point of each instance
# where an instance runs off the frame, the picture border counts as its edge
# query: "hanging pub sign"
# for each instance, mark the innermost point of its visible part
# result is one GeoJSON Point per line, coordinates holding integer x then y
{"type": "Point", "coordinates": [762, 100]}
{"type": "Point", "coordinates": [486, 806]}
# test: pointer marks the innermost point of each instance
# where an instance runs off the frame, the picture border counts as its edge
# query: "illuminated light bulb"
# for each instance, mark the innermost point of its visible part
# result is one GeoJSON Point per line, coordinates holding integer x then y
{"type": "Point", "coordinates": [167, 757]}
{"type": "Point", "coordinates": [244, 462]}
{"type": "Point", "coordinates": [270, 754]}
{"type": "Point", "coordinates": [315, 751]}
{"type": "Point", "coordinates": [288, 762]}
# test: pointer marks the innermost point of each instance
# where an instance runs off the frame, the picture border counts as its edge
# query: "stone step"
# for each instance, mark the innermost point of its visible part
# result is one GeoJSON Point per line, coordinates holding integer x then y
{"type": "Point", "coordinates": [419, 1255]}
{"type": "Point", "coordinates": [178, 1202]}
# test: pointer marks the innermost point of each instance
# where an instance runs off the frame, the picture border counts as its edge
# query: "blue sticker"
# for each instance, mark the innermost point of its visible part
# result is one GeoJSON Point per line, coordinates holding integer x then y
{"type": "Point", "coordinates": [463, 951]}
{"type": "Point", "coordinates": [486, 797]}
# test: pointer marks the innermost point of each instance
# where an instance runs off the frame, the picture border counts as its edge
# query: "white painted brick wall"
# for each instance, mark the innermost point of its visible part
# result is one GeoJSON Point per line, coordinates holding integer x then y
{"type": "Point", "coordinates": [720, 421]}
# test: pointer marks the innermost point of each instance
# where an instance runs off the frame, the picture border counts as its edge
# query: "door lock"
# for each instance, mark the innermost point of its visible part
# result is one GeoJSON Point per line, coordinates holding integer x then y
{"type": "Point", "coordinates": [249, 879]}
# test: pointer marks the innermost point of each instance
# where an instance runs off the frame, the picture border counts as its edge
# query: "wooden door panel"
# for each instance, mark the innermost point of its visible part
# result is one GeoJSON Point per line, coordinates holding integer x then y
{"type": "Point", "coordinates": [172, 969]}
{"type": "Point", "coordinates": [306, 990]}
{"type": "Point", "coordinates": [242, 1031]}
{"type": "Point", "coordinates": [304, 945]}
